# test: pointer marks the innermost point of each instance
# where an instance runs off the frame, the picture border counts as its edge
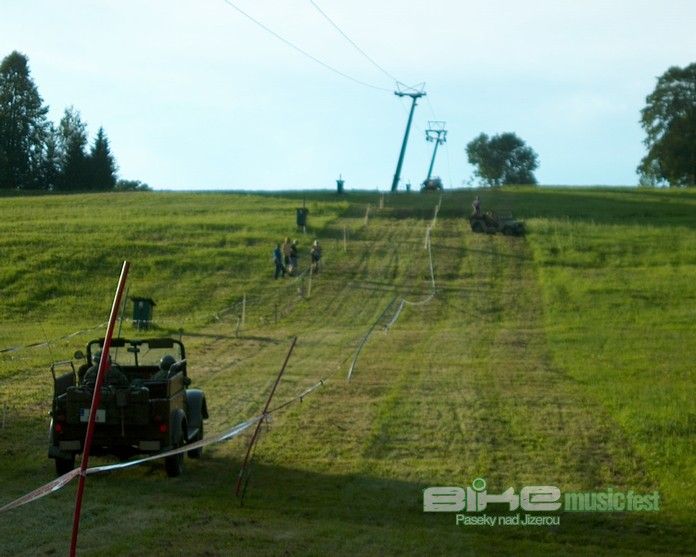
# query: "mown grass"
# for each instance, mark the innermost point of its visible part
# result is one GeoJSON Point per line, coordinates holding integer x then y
{"type": "Point", "coordinates": [195, 254]}
{"type": "Point", "coordinates": [564, 358]}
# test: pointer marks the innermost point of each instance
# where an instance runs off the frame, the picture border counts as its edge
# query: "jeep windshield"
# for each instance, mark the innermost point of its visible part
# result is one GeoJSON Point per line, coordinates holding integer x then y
{"type": "Point", "coordinates": [137, 353]}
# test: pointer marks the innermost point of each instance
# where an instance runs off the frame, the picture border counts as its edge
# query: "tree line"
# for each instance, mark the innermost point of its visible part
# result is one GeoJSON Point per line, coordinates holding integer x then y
{"type": "Point", "coordinates": [36, 154]}
{"type": "Point", "coordinates": [669, 121]}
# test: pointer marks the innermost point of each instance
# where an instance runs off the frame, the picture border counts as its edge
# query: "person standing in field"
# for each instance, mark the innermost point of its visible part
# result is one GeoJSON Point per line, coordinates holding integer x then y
{"type": "Point", "coordinates": [278, 260]}
{"type": "Point", "coordinates": [286, 252]}
{"type": "Point", "coordinates": [293, 258]}
{"type": "Point", "coordinates": [315, 255]}
{"type": "Point", "coordinates": [476, 206]}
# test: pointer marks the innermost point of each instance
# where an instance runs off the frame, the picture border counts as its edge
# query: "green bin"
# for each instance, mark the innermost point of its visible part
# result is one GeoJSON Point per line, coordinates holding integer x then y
{"type": "Point", "coordinates": [302, 213]}
{"type": "Point", "coordinates": [142, 312]}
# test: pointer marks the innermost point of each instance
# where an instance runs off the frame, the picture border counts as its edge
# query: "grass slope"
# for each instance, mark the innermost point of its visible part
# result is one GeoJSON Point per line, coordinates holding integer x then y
{"type": "Point", "coordinates": [563, 358]}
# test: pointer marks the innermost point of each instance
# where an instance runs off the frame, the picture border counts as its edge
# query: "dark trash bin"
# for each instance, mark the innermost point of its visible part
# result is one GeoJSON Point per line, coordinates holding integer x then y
{"type": "Point", "coordinates": [142, 312]}
{"type": "Point", "coordinates": [302, 213]}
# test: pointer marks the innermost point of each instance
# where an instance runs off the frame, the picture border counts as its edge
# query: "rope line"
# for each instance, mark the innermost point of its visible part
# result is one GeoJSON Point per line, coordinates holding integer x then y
{"type": "Point", "coordinates": [236, 430]}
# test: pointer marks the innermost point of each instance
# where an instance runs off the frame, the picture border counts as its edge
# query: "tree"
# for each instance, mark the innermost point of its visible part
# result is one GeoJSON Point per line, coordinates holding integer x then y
{"type": "Point", "coordinates": [72, 133]}
{"type": "Point", "coordinates": [669, 121]}
{"type": "Point", "coordinates": [23, 124]}
{"type": "Point", "coordinates": [49, 169]}
{"type": "Point", "coordinates": [502, 159]}
{"type": "Point", "coordinates": [102, 172]}
{"type": "Point", "coordinates": [131, 185]}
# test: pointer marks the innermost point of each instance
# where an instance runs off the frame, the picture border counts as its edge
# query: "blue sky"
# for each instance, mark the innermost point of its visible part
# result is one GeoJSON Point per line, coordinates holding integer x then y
{"type": "Point", "coordinates": [193, 95]}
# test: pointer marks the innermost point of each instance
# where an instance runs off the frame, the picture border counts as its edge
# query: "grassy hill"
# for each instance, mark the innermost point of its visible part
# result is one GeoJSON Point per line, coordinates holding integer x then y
{"type": "Point", "coordinates": [563, 358]}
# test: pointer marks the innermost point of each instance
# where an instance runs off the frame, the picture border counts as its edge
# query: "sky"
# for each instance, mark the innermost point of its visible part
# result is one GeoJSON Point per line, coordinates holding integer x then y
{"type": "Point", "coordinates": [194, 96]}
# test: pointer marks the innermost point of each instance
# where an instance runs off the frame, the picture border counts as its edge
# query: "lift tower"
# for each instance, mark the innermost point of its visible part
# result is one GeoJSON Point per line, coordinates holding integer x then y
{"type": "Point", "coordinates": [436, 132]}
{"type": "Point", "coordinates": [414, 97]}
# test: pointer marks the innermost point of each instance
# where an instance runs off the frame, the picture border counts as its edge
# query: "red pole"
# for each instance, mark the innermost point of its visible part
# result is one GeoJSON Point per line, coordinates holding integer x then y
{"type": "Point", "coordinates": [96, 399]}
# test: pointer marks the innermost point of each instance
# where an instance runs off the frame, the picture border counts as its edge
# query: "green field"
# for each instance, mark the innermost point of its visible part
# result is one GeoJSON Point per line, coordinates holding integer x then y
{"type": "Point", "coordinates": [564, 358]}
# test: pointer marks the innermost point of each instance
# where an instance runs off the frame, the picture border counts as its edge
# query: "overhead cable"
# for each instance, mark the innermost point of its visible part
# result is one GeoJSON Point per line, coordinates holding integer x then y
{"type": "Point", "coordinates": [360, 50]}
{"type": "Point", "coordinates": [302, 51]}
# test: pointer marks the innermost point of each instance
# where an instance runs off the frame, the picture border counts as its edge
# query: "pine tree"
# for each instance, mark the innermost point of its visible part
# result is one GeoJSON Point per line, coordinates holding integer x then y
{"type": "Point", "coordinates": [51, 160]}
{"type": "Point", "coordinates": [72, 133]}
{"type": "Point", "coordinates": [102, 164]}
{"type": "Point", "coordinates": [23, 125]}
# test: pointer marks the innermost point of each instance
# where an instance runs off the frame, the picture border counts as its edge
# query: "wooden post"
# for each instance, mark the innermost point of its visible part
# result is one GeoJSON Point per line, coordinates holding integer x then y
{"type": "Point", "coordinates": [367, 214]}
{"type": "Point", "coordinates": [345, 246]}
{"type": "Point", "coordinates": [264, 417]}
{"type": "Point", "coordinates": [309, 284]}
{"type": "Point", "coordinates": [381, 201]}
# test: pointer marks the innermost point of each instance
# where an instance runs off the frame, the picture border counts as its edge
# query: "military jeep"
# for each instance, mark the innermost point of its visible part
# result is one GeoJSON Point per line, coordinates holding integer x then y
{"type": "Point", "coordinates": [146, 405]}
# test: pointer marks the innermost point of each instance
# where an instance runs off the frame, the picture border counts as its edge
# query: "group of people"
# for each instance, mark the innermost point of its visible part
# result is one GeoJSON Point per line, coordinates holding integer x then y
{"type": "Point", "coordinates": [285, 258]}
{"type": "Point", "coordinates": [114, 375]}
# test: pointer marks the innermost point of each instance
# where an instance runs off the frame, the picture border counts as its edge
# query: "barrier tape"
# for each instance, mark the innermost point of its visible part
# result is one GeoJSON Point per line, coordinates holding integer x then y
{"type": "Point", "coordinates": [366, 336]}
{"type": "Point", "coordinates": [42, 491]}
{"type": "Point", "coordinates": [229, 434]}
{"type": "Point", "coordinates": [396, 315]}
{"type": "Point", "coordinates": [236, 430]}
{"type": "Point", "coordinates": [300, 397]}
{"type": "Point", "coordinates": [62, 481]}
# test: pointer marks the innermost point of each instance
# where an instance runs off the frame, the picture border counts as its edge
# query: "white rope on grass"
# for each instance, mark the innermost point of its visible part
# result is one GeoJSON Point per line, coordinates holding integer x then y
{"type": "Point", "coordinates": [236, 430]}
{"type": "Point", "coordinates": [396, 316]}
{"type": "Point", "coordinates": [48, 342]}
{"type": "Point", "coordinates": [402, 301]}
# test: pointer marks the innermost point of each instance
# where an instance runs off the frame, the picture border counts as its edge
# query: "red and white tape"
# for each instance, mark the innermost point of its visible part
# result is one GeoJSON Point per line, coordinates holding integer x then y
{"type": "Point", "coordinates": [59, 483]}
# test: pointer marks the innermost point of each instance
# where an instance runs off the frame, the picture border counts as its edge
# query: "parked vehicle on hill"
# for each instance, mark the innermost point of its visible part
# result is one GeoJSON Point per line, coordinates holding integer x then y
{"type": "Point", "coordinates": [490, 223]}
{"type": "Point", "coordinates": [432, 184]}
{"type": "Point", "coordinates": [146, 403]}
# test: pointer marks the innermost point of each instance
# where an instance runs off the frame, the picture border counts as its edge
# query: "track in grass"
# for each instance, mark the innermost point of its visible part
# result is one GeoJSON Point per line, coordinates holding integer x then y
{"type": "Point", "coordinates": [469, 385]}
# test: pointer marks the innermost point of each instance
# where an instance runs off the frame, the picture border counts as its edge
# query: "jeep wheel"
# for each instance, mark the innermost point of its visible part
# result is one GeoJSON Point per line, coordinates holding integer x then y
{"type": "Point", "coordinates": [477, 226]}
{"type": "Point", "coordinates": [197, 453]}
{"type": "Point", "coordinates": [174, 465]}
{"type": "Point", "coordinates": [64, 465]}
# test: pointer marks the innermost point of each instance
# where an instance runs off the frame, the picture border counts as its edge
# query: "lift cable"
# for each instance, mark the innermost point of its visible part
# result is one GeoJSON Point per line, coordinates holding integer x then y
{"type": "Point", "coordinates": [302, 51]}
{"type": "Point", "coordinates": [351, 41]}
